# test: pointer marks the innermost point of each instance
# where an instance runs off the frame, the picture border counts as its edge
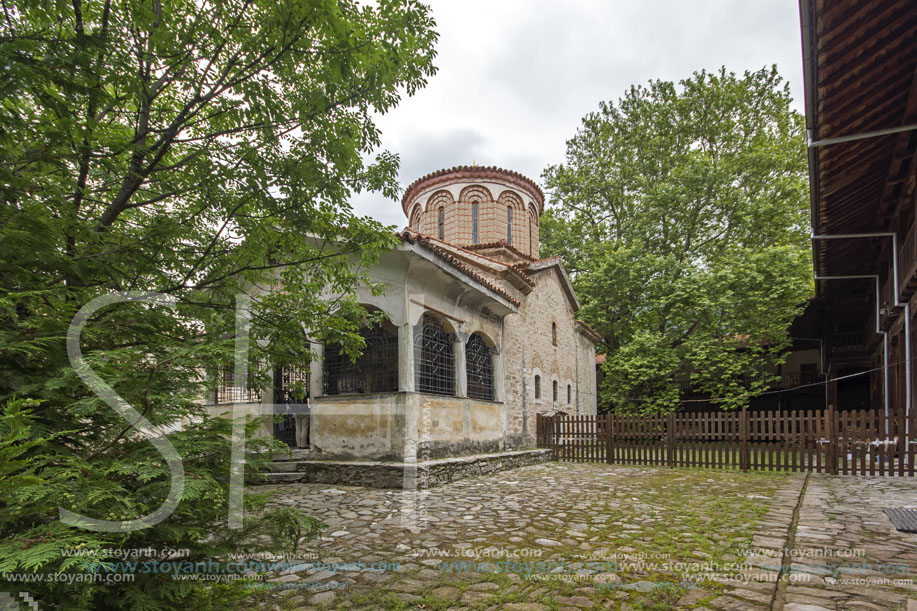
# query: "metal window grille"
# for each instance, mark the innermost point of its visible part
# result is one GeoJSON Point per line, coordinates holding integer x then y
{"type": "Point", "coordinates": [479, 364]}
{"type": "Point", "coordinates": [291, 384]}
{"type": "Point", "coordinates": [509, 225]}
{"type": "Point", "coordinates": [442, 224]}
{"type": "Point", "coordinates": [228, 391]}
{"type": "Point", "coordinates": [376, 370]}
{"type": "Point", "coordinates": [474, 223]}
{"type": "Point", "coordinates": [537, 387]}
{"type": "Point", "coordinates": [433, 346]}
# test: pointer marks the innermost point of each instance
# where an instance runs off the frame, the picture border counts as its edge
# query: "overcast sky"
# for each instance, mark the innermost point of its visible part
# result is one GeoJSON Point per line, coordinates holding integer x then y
{"type": "Point", "coordinates": [516, 76]}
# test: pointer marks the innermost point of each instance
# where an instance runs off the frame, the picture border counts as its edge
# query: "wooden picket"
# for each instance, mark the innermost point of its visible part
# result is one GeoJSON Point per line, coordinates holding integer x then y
{"type": "Point", "coordinates": [863, 442]}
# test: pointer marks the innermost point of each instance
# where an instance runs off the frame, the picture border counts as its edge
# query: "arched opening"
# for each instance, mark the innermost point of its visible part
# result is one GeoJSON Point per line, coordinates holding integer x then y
{"type": "Point", "coordinates": [480, 368]}
{"type": "Point", "coordinates": [374, 371]}
{"type": "Point", "coordinates": [442, 223]}
{"type": "Point", "coordinates": [435, 358]}
{"type": "Point", "coordinates": [416, 218]}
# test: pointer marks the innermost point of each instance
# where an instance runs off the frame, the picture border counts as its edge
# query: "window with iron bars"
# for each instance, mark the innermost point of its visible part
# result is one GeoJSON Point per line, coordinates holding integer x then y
{"type": "Point", "coordinates": [375, 371]}
{"type": "Point", "coordinates": [291, 384]}
{"type": "Point", "coordinates": [228, 391]}
{"type": "Point", "coordinates": [479, 364]}
{"type": "Point", "coordinates": [435, 357]}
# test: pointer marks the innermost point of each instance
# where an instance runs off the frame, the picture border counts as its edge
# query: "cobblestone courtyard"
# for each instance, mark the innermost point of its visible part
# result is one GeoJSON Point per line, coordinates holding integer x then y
{"type": "Point", "coordinates": [584, 536]}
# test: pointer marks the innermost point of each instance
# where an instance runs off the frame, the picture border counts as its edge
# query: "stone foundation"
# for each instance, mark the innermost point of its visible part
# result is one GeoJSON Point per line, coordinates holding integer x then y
{"type": "Point", "coordinates": [407, 476]}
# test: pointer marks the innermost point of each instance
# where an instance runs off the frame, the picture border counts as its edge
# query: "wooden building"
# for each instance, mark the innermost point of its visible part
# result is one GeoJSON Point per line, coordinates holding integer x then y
{"type": "Point", "coordinates": [860, 62]}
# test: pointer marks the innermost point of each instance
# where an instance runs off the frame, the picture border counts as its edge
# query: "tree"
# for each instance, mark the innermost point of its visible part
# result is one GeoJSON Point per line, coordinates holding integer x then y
{"type": "Point", "coordinates": [681, 214]}
{"type": "Point", "coordinates": [198, 150]}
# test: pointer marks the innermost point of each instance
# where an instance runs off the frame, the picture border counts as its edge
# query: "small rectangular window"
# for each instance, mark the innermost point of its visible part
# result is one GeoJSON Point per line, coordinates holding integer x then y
{"type": "Point", "coordinates": [442, 224]}
{"type": "Point", "coordinates": [569, 394]}
{"type": "Point", "coordinates": [554, 386]}
{"type": "Point", "coordinates": [537, 387]}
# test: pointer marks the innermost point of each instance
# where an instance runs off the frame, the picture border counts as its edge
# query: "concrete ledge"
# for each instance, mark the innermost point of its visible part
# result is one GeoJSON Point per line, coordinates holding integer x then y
{"type": "Point", "coordinates": [408, 476]}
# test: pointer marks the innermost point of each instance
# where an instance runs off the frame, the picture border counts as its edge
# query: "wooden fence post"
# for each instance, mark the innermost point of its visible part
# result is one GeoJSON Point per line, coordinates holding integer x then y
{"type": "Point", "coordinates": [744, 452]}
{"type": "Point", "coordinates": [831, 431]}
{"type": "Point", "coordinates": [609, 437]}
{"type": "Point", "coordinates": [670, 440]}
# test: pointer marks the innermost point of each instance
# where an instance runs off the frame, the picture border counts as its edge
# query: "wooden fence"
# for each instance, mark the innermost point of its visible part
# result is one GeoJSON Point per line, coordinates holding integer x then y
{"type": "Point", "coordinates": [862, 442]}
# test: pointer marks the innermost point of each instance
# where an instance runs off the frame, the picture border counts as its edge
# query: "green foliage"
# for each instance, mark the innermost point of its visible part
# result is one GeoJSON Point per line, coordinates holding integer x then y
{"type": "Point", "coordinates": [681, 214]}
{"type": "Point", "coordinates": [200, 150]}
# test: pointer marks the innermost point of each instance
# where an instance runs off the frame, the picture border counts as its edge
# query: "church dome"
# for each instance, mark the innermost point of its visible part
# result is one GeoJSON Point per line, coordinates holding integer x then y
{"type": "Point", "coordinates": [474, 205]}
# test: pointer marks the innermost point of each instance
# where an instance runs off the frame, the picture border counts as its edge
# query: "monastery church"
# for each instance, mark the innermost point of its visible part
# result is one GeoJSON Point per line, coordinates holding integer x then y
{"type": "Point", "coordinates": [481, 335]}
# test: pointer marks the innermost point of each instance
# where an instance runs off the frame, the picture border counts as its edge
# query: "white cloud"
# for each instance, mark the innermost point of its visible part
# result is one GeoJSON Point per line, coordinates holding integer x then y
{"type": "Point", "coordinates": [516, 77]}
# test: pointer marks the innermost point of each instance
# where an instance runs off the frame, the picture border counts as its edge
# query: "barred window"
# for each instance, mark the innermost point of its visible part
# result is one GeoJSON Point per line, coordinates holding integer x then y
{"type": "Point", "coordinates": [376, 370]}
{"type": "Point", "coordinates": [479, 364]}
{"type": "Point", "coordinates": [229, 391]}
{"type": "Point", "coordinates": [291, 384]}
{"type": "Point", "coordinates": [434, 353]}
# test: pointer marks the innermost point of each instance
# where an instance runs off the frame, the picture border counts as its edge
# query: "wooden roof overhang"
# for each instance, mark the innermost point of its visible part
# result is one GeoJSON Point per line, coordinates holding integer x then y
{"type": "Point", "coordinates": [860, 62]}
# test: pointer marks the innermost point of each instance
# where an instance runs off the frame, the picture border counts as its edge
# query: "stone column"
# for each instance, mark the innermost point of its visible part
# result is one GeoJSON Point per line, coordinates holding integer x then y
{"type": "Point", "coordinates": [317, 370]}
{"type": "Point", "coordinates": [406, 376]}
{"type": "Point", "coordinates": [499, 377]}
{"type": "Point", "coordinates": [461, 369]}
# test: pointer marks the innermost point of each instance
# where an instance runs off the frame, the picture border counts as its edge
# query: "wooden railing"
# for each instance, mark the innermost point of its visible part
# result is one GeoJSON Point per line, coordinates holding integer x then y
{"type": "Point", "coordinates": [862, 442]}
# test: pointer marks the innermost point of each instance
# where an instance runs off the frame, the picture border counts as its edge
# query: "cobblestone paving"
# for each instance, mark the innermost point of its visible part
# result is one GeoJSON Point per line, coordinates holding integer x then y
{"type": "Point", "coordinates": [551, 536]}
{"type": "Point", "coordinates": [850, 553]}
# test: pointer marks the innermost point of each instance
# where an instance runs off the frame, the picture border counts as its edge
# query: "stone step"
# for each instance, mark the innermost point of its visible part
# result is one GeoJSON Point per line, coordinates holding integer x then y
{"type": "Point", "coordinates": [408, 476]}
{"type": "Point", "coordinates": [283, 478]}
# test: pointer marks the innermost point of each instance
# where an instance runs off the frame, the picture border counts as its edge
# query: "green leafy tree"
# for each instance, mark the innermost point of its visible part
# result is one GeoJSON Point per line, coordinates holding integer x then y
{"type": "Point", "coordinates": [200, 150]}
{"type": "Point", "coordinates": [681, 214]}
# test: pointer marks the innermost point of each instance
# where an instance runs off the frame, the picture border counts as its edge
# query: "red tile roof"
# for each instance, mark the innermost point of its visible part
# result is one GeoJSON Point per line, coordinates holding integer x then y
{"type": "Point", "coordinates": [430, 244]}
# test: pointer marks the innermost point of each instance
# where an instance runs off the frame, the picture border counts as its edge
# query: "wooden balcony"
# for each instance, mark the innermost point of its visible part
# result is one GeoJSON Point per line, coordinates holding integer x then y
{"type": "Point", "coordinates": [889, 311]}
{"type": "Point", "coordinates": [907, 265]}
{"type": "Point", "coordinates": [850, 343]}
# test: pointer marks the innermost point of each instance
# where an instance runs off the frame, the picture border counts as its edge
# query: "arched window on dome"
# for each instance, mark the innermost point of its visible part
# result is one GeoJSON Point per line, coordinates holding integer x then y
{"type": "Point", "coordinates": [474, 223]}
{"type": "Point", "coordinates": [509, 225]}
{"type": "Point", "coordinates": [442, 223]}
{"type": "Point", "coordinates": [480, 368]}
